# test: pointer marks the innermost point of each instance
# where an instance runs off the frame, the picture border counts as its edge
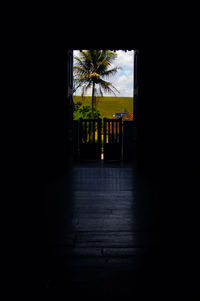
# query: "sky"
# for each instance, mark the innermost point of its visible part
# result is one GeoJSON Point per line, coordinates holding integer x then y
{"type": "Point", "coordinates": [123, 80]}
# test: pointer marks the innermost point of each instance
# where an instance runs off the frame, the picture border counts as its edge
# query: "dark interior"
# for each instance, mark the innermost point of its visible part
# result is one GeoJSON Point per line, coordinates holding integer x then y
{"type": "Point", "coordinates": [163, 182]}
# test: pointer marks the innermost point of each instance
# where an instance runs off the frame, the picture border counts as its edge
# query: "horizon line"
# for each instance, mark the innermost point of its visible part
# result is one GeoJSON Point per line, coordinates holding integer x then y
{"type": "Point", "coordinates": [100, 96]}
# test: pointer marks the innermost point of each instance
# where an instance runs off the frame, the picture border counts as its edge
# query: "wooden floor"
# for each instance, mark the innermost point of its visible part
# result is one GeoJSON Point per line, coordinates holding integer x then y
{"type": "Point", "coordinates": [103, 240]}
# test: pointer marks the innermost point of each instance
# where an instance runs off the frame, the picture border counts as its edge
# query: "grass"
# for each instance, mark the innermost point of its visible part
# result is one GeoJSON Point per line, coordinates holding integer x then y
{"type": "Point", "coordinates": [108, 106]}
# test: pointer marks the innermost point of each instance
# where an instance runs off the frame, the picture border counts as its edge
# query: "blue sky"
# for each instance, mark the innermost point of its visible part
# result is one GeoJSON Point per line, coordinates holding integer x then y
{"type": "Point", "coordinates": [123, 80]}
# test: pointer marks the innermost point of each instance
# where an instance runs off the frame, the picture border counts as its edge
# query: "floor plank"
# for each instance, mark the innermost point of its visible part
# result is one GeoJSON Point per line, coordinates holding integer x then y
{"type": "Point", "coordinates": [108, 236]}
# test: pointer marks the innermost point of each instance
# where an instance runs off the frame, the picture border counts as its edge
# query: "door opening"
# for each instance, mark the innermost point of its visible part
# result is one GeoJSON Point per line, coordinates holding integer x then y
{"type": "Point", "coordinates": [92, 100]}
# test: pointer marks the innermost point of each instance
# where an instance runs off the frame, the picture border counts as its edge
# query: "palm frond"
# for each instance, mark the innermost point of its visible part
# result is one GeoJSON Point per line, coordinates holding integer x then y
{"type": "Point", "coordinates": [91, 67]}
{"type": "Point", "coordinates": [108, 87]}
{"type": "Point", "coordinates": [79, 70]}
{"type": "Point", "coordinates": [110, 72]}
{"type": "Point", "coordinates": [79, 63]}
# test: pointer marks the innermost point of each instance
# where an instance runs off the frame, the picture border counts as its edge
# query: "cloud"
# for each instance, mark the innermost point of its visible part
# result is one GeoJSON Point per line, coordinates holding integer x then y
{"type": "Point", "coordinates": [124, 59]}
{"type": "Point", "coordinates": [128, 72]}
{"type": "Point", "coordinates": [125, 85]}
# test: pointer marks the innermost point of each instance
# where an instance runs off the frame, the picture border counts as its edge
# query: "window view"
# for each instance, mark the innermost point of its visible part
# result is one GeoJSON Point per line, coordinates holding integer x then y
{"type": "Point", "coordinates": [103, 101]}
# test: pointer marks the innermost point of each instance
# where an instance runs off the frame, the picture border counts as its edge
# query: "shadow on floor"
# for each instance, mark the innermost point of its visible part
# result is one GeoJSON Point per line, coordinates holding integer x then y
{"type": "Point", "coordinates": [102, 230]}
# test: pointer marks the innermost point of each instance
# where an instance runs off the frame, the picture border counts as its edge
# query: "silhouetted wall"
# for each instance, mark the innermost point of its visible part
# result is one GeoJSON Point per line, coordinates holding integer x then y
{"type": "Point", "coordinates": [129, 141]}
{"type": "Point", "coordinates": [167, 149]}
{"type": "Point", "coordinates": [167, 128]}
{"type": "Point", "coordinates": [168, 155]}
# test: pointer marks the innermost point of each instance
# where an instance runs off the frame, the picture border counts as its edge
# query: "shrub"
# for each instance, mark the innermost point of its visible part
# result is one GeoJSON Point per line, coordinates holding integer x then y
{"type": "Point", "coordinates": [84, 112]}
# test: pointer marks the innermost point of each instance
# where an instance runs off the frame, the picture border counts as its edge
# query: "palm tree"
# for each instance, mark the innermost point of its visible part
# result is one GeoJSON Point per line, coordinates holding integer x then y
{"type": "Point", "coordinates": [91, 69]}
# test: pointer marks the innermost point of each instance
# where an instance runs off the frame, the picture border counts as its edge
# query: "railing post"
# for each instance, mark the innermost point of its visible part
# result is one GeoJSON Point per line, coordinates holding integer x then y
{"type": "Point", "coordinates": [80, 131]}
{"type": "Point", "coordinates": [93, 133]}
{"type": "Point", "coordinates": [120, 135]}
{"type": "Point", "coordinates": [89, 130]}
{"type": "Point", "coordinates": [99, 136]}
{"type": "Point", "coordinates": [104, 132]}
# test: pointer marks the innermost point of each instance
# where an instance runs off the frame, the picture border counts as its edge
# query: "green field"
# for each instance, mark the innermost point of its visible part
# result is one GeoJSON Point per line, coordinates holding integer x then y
{"type": "Point", "coordinates": [108, 106]}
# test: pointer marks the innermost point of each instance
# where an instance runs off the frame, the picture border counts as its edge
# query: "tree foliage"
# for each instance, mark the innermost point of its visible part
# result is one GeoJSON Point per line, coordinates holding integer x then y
{"type": "Point", "coordinates": [84, 112]}
{"type": "Point", "coordinates": [91, 70]}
